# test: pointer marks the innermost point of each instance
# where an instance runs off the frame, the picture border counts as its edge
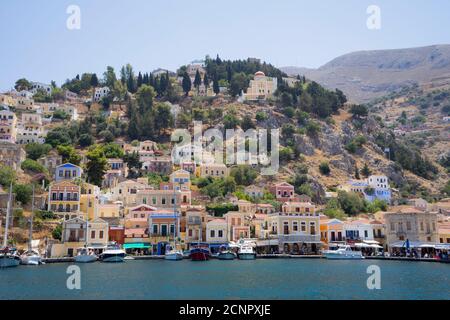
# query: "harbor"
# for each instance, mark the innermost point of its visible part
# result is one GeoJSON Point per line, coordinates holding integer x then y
{"type": "Point", "coordinates": [255, 279]}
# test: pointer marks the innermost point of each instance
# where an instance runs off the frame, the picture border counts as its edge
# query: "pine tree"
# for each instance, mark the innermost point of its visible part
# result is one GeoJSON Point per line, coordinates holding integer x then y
{"type": "Point", "coordinates": [186, 84]}
{"type": "Point", "coordinates": [366, 171]}
{"type": "Point", "coordinates": [216, 87]}
{"type": "Point", "coordinates": [197, 80]}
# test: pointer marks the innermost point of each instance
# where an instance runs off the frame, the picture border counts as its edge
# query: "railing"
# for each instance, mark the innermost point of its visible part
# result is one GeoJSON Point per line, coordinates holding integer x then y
{"type": "Point", "coordinates": [299, 238]}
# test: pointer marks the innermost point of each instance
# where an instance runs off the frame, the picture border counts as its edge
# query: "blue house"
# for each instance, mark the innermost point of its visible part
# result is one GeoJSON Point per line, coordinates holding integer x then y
{"type": "Point", "coordinates": [67, 171]}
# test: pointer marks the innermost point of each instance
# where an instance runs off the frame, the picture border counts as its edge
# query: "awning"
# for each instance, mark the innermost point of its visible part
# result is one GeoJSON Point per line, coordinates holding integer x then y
{"type": "Point", "coordinates": [443, 246]}
{"type": "Point", "coordinates": [137, 246]}
{"type": "Point", "coordinates": [412, 244]}
{"type": "Point", "coordinates": [371, 241]}
{"type": "Point", "coordinates": [267, 243]}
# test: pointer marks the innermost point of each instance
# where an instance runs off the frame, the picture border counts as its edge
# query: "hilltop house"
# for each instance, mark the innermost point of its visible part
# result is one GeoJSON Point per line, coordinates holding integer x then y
{"type": "Point", "coordinates": [282, 191]}
{"type": "Point", "coordinates": [374, 187]}
{"type": "Point", "coordinates": [101, 93]}
{"type": "Point", "coordinates": [254, 191]}
{"type": "Point", "coordinates": [11, 155]}
{"type": "Point", "coordinates": [8, 123]}
{"type": "Point", "coordinates": [35, 86]}
{"type": "Point", "coordinates": [261, 87]}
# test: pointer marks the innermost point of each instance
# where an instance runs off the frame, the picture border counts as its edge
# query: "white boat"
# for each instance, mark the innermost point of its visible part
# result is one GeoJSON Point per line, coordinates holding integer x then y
{"type": "Point", "coordinates": [113, 253]}
{"type": "Point", "coordinates": [85, 256]}
{"type": "Point", "coordinates": [173, 254]}
{"type": "Point", "coordinates": [343, 253]}
{"type": "Point", "coordinates": [8, 257]}
{"type": "Point", "coordinates": [226, 254]}
{"type": "Point", "coordinates": [246, 252]}
{"type": "Point", "coordinates": [31, 258]}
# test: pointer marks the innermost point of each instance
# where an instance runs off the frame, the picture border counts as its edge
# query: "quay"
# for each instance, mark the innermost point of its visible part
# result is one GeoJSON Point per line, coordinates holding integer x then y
{"type": "Point", "coordinates": [408, 259]}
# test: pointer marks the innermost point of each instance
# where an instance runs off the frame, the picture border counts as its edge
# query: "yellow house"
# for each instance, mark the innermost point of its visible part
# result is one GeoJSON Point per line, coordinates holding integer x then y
{"type": "Point", "coordinates": [89, 200]}
{"type": "Point", "coordinates": [109, 210]}
{"type": "Point", "coordinates": [215, 170]}
{"type": "Point", "coordinates": [64, 199]}
{"type": "Point", "coordinates": [444, 233]}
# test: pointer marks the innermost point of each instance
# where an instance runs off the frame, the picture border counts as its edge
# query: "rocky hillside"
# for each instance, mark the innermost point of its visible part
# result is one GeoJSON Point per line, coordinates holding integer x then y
{"type": "Point", "coordinates": [366, 75]}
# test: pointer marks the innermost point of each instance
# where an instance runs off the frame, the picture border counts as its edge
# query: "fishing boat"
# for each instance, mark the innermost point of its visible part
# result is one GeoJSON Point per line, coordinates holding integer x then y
{"type": "Point", "coordinates": [113, 253]}
{"type": "Point", "coordinates": [226, 254]}
{"type": "Point", "coordinates": [173, 254]}
{"type": "Point", "coordinates": [84, 255]}
{"type": "Point", "coordinates": [31, 257]}
{"type": "Point", "coordinates": [246, 252]}
{"type": "Point", "coordinates": [200, 252]}
{"type": "Point", "coordinates": [8, 256]}
{"type": "Point", "coordinates": [343, 252]}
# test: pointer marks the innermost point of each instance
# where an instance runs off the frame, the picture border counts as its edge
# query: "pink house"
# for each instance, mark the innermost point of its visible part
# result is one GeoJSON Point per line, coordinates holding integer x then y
{"type": "Point", "coordinates": [282, 191]}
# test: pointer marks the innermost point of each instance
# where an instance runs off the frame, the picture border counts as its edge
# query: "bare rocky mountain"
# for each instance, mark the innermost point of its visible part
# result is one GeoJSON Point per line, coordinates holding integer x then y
{"type": "Point", "coordinates": [365, 75]}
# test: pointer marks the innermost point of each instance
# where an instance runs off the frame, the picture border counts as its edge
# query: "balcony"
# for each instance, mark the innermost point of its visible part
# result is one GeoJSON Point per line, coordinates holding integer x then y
{"type": "Point", "coordinates": [299, 238]}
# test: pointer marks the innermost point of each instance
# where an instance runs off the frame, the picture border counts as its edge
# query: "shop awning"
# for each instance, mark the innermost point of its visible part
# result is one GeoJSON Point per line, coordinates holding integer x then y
{"type": "Point", "coordinates": [137, 246]}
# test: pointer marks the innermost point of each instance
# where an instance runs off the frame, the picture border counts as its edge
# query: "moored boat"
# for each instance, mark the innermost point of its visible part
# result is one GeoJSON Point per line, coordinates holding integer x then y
{"type": "Point", "coordinates": [343, 253]}
{"type": "Point", "coordinates": [246, 253]}
{"type": "Point", "coordinates": [226, 254]}
{"type": "Point", "coordinates": [113, 253]}
{"type": "Point", "coordinates": [9, 258]}
{"type": "Point", "coordinates": [200, 253]}
{"type": "Point", "coordinates": [85, 256]}
{"type": "Point", "coordinates": [31, 258]}
{"type": "Point", "coordinates": [173, 254]}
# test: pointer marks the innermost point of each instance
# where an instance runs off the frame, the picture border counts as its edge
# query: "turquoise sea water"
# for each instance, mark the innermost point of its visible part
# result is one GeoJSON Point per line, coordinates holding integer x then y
{"type": "Point", "coordinates": [259, 279]}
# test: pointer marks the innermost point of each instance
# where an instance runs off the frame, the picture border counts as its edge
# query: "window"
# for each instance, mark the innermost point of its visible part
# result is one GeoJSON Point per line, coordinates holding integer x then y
{"type": "Point", "coordinates": [366, 234]}
{"type": "Point", "coordinates": [303, 226]}
{"type": "Point", "coordinates": [213, 233]}
{"type": "Point", "coordinates": [93, 234]}
{"type": "Point", "coordinates": [101, 234]}
{"type": "Point", "coordinates": [295, 226]}
{"type": "Point", "coordinates": [221, 234]}
{"type": "Point", "coordinates": [155, 229]}
{"type": "Point", "coordinates": [408, 225]}
{"type": "Point", "coordinates": [172, 229]}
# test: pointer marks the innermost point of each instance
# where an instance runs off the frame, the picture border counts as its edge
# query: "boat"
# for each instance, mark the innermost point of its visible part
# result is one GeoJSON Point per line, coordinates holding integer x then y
{"type": "Point", "coordinates": [200, 252]}
{"type": "Point", "coordinates": [84, 255]}
{"type": "Point", "coordinates": [226, 254]}
{"type": "Point", "coordinates": [113, 253]}
{"type": "Point", "coordinates": [8, 256]}
{"type": "Point", "coordinates": [173, 254]}
{"type": "Point", "coordinates": [31, 257]}
{"type": "Point", "coordinates": [344, 252]}
{"type": "Point", "coordinates": [246, 252]}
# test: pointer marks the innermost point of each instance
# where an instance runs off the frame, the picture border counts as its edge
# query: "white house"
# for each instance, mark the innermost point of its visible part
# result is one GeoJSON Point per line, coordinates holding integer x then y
{"type": "Point", "coordinates": [216, 231]}
{"type": "Point", "coordinates": [100, 93]}
{"type": "Point", "coordinates": [35, 86]}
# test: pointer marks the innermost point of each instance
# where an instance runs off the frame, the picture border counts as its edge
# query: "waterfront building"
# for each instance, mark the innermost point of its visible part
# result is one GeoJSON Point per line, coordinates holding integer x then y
{"type": "Point", "coordinates": [11, 155]}
{"type": "Point", "coordinates": [51, 161]}
{"type": "Point", "coordinates": [261, 87]}
{"type": "Point", "coordinates": [89, 200]}
{"type": "Point", "coordinates": [137, 227]}
{"type": "Point", "coordinates": [64, 199]}
{"type": "Point", "coordinates": [74, 236]}
{"type": "Point", "coordinates": [216, 233]}
{"type": "Point", "coordinates": [8, 123]}
{"type": "Point", "coordinates": [408, 223]}
{"type": "Point", "coordinates": [444, 233]}
{"type": "Point", "coordinates": [67, 171]}
{"type": "Point", "coordinates": [358, 231]}
{"type": "Point", "coordinates": [238, 225]}
{"type": "Point", "coordinates": [332, 231]}
{"type": "Point", "coordinates": [297, 228]}
{"type": "Point", "coordinates": [195, 228]}
{"type": "Point", "coordinates": [97, 236]}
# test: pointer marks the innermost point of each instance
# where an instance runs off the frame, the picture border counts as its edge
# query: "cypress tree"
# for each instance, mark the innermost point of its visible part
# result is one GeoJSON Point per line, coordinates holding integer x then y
{"type": "Point", "coordinates": [206, 80]}
{"type": "Point", "coordinates": [197, 80]}
{"type": "Point", "coordinates": [216, 87]}
{"type": "Point", "coordinates": [186, 83]}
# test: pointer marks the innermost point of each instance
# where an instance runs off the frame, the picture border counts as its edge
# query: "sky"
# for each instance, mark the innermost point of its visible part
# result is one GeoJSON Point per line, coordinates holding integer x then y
{"type": "Point", "coordinates": [36, 43]}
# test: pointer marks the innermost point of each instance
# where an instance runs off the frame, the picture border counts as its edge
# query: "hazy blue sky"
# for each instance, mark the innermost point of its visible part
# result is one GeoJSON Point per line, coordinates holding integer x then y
{"type": "Point", "coordinates": [36, 44]}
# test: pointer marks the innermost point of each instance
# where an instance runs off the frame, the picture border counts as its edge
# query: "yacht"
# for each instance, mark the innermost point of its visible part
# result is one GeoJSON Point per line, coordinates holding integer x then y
{"type": "Point", "coordinates": [113, 253]}
{"type": "Point", "coordinates": [344, 252]}
{"type": "Point", "coordinates": [173, 254]}
{"type": "Point", "coordinates": [84, 255]}
{"type": "Point", "coordinates": [246, 252]}
{"type": "Point", "coordinates": [31, 258]}
{"type": "Point", "coordinates": [8, 257]}
{"type": "Point", "coordinates": [200, 253]}
{"type": "Point", "coordinates": [226, 254]}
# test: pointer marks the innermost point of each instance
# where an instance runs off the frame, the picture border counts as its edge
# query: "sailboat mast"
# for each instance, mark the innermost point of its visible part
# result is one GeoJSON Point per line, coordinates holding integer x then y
{"type": "Point", "coordinates": [8, 212]}
{"type": "Point", "coordinates": [30, 245]}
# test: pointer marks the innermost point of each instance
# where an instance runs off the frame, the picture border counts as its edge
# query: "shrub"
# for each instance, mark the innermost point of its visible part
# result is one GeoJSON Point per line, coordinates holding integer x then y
{"type": "Point", "coordinates": [324, 168]}
{"type": "Point", "coordinates": [33, 166]}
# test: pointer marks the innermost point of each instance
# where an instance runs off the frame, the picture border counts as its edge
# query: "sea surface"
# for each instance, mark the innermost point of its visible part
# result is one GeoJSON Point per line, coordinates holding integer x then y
{"type": "Point", "coordinates": [259, 279]}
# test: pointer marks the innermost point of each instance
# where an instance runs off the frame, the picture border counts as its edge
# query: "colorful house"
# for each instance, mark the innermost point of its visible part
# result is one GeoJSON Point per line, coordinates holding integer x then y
{"type": "Point", "coordinates": [282, 191]}
{"type": "Point", "coordinates": [67, 171]}
{"type": "Point", "coordinates": [64, 199]}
